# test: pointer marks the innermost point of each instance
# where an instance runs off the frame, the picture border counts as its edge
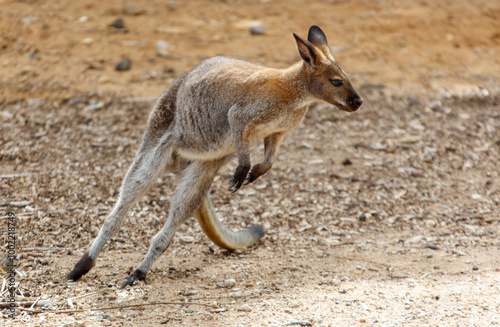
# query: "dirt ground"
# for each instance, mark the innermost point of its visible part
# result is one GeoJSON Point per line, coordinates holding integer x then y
{"type": "Point", "coordinates": [384, 217]}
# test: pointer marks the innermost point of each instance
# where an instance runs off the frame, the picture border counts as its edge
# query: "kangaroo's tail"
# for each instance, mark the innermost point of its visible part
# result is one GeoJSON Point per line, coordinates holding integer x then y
{"type": "Point", "coordinates": [220, 235]}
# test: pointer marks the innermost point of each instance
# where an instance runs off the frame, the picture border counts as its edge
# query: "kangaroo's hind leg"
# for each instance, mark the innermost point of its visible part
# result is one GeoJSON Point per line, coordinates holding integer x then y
{"type": "Point", "coordinates": [196, 179]}
{"type": "Point", "coordinates": [149, 162]}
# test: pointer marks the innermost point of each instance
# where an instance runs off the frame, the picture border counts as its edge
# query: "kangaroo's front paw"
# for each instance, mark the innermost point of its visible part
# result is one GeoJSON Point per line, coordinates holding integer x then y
{"type": "Point", "coordinates": [239, 177]}
{"type": "Point", "coordinates": [136, 275]}
{"type": "Point", "coordinates": [257, 171]}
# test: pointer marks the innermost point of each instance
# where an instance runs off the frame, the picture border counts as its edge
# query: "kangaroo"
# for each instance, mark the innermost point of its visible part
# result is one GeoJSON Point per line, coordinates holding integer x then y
{"type": "Point", "coordinates": [221, 107]}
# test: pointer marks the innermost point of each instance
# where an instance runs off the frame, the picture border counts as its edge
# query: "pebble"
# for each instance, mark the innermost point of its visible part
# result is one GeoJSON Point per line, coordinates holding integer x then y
{"type": "Point", "coordinates": [365, 216]}
{"type": "Point", "coordinates": [300, 323]}
{"type": "Point", "coordinates": [87, 40]}
{"type": "Point", "coordinates": [104, 316]}
{"type": "Point", "coordinates": [187, 239]}
{"type": "Point", "coordinates": [118, 23]}
{"type": "Point", "coordinates": [188, 310]}
{"type": "Point", "coordinates": [258, 28]}
{"type": "Point", "coordinates": [161, 48]}
{"type": "Point", "coordinates": [245, 308]}
{"type": "Point", "coordinates": [103, 79]}
{"type": "Point", "coordinates": [219, 310]}
{"type": "Point", "coordinates": [367, 14]}
{"type": "Point", "coordinates": [35, 102]}
{"type": "Point", "coordinates": [123, 65]}
{"type": "Point", "coordinates": [29, 20]}
{"type": "Point", "coordinates": [228, 283]}
{"type": "Point", "coordinates": [96, 106]}
{"type": "Point", "coordinates": [415, 240]}
{"type": "Point", "coordinates": [237, 295]}
{"type": "Point", "coordinates": [476, 196]}
{"type": "Point", "coordinates": [430, 223]}
{"type": "Point", "coordinates": [131, 8]}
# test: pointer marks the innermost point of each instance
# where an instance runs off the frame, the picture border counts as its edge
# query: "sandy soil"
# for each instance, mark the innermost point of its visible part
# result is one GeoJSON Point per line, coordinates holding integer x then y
{"type": "Point", "coordinates": [385, 217]}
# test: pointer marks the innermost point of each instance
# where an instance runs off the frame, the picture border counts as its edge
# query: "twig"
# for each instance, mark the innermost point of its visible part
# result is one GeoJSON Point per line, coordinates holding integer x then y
{"type": "Point", "coordinates": [15, 175]}
{"type": "Point", "coordinates": [46, 249]}
{"type": "Point", "coordinates": [342, 244]}
{"type": "Point", "coordinates": [37, 303]}
{"type": "Point", "coordinates": [131, 306]}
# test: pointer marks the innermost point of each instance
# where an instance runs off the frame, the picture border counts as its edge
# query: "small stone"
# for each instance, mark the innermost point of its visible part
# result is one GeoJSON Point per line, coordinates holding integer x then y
{"type": "Point", "coordinates": [347, 162]}
{"type": "Point", "coordinates": [470, 228]}
{"type": "Point", "coordinates": [362, 319]}
{"type": "Point", "coordinates": [258, 28]}
{"type": "Point", "coordinates": [35, 102]}
{"type": "Point", "coordinates": [87, 40]}
{"type": "Point", "coordinates": [245, 308]}
{"type": "Point", "coordinates": [300, 323]}
{"type": "Point", "coordinates": [430, 223]}
{"type": "Point", "coordinates": [367, 14]}
{"type": "Point", "coordinates": [56, 280]}
{"type": "Point", "coordinates": [161, 48]}
{"type": "Point", "coordinates": [29, 20]}
{"type": "Point", "coordinates": [96, 106]}
{"type": "Point", "coordinates": [187, 239]}
{"type": "Point", "coordinates": [475, 268]}
{"type": "Point", "coordinates": [103, 79]}
{"type": "Point", "coordinates": [132, 9]}
{"type": "Point", "coordinates": [237, 295]}
{"type": "Point", "coordinates": [123, 65]}
{"type": "Point", "coordinates": [415, 240]}
{"type": "Point", "coordinates": [219, 310]}
{"type": "Point", "coordinates": [336, 281]}
{"type": "Point", "coordinates": [306, 146]}
{"type": "Point", "coordinates": [83, 19]}
{"type": "Point", "coordinates": [364, 216]}
{"type": "Point", "coordinates": [228, 283]}
{"type": "Point", "coordinates": [104, 316]}
{"type": "Point", "coordinates": [118, 23]}
{"type": "Point", "coordinates": [476, 196]}
{"type": "Point", "coordinates": [188, 310]}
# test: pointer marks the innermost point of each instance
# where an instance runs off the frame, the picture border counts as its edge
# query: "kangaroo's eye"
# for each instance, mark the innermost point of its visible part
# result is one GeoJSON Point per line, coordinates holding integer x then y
{"type": "Point", "coordinates": [336, 82]}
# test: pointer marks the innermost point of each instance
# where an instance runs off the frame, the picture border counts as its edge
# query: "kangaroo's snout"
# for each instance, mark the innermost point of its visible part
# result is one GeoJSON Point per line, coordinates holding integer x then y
{"type": "Point", "coordinates": [355, 103]}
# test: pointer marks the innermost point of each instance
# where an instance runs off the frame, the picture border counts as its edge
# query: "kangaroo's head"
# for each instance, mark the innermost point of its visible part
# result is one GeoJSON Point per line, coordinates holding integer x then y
{"type": "Point", "coordinates": [326, 79]}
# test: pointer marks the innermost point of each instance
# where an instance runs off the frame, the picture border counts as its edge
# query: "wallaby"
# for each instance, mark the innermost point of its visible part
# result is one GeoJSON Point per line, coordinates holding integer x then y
{"type": "Point", "coordinates": [221, 107]}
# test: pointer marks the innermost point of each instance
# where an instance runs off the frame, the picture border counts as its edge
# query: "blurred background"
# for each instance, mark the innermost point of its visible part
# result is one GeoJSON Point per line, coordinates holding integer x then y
{"type": "Point", "coordinates": [59, 48]}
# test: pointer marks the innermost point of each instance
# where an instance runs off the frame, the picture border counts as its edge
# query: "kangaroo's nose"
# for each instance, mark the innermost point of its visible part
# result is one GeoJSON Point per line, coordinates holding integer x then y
{"type": "Point", "coordinates": [358, 102]}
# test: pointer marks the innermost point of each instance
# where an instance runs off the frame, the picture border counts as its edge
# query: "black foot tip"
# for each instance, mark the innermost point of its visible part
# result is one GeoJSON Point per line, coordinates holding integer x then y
{"type": "Point", "coordinates": [136, 275]}
{"type": "Point", "coordinates": [81, 268]}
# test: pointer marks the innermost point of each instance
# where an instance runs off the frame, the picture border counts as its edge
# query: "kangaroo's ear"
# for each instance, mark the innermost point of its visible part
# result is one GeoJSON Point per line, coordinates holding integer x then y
{"type": "Point", "coordinates": [316, 36]}
{"type": "Point", "coordinates": [306, 50]}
